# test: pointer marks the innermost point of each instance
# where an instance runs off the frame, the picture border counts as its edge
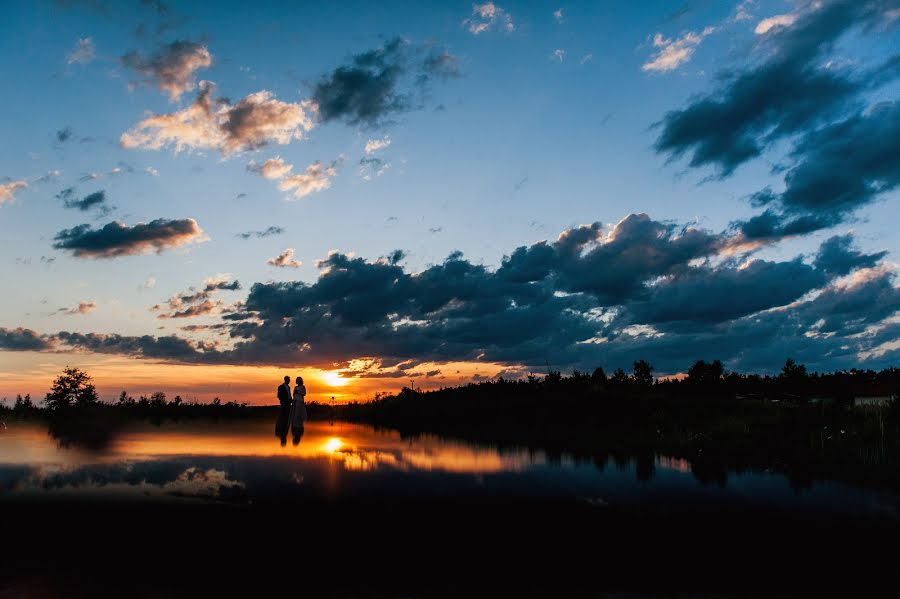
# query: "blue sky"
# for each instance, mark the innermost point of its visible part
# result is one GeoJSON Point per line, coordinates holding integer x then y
{"type": "Point", "coordinates": [539, 118]}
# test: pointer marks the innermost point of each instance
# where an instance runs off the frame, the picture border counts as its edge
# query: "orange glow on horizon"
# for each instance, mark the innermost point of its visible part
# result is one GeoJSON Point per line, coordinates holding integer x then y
{"type": "Point", "coordinates": [33, 373]}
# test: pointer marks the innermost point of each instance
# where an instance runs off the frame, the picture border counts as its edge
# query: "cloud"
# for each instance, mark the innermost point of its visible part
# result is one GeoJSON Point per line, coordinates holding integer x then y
{"type": "Point", "coordinates": [117, 239]}
{"type": "Point", "coordinates": [252, 123]}
{"type": "Point", "coordinates": [558, 15]}
{"type": "Point", "coordinates": [842, 166]}
{"type": "Point", "coordinates": [83, 52]}
{"type": "Point", "coordinates": [20, 339]}
{"type": "Point", "coordinates": [374, 145]}
{"type": "Point", "coordinates": [82, 308]}
{"type": "Point", "coordinates": [837, 257]}
{"type": "Point", "coordinates": [365, 91]}
{"type": "Point", "coordinates": [594, 296]}
{"type": "Point", "coordinates": [317, 177]}
{"type": "Point", "coordinates": [671, 54]}
{"type": "Point", "coordinates": [380, 83]}
{"type": "Point", "coordinates": [92, 200]}
{"type": "Point", "coordinates": [172, 67]}
{"type": "Point", "coordinates": [766, 25]}
{"type": "Point", "coordinates": [441, 64]}
{"type": "Point", "coordinates": [273, 168]}
{"type": "Point", "coordinates": [786, 94]}
{"type": "Point", "coordinates": [267, 232]}
{"type": "Point", "coordinates": [64, 135]}
{"type": "Point", "coordinates": [198, 302]}
{"type": "Point", "coordinates": [487, 16]}
{"type": "Point", "coordinates": [285, 260]}
{"type": "Point", "coordinates": [8, 190]}
{"type": "Point", "coordinates": [559, 54]}
{"type": "Point", "coordinates": [150, 283]}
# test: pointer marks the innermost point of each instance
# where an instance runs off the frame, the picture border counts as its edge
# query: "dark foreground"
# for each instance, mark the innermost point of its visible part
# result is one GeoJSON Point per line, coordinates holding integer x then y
{"type": "Point", "coordinates": [432, 546]}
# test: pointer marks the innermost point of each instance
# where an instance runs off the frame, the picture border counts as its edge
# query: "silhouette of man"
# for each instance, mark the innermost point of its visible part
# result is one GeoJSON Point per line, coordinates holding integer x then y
{"type": "Point", "coordinates": [284, 398]}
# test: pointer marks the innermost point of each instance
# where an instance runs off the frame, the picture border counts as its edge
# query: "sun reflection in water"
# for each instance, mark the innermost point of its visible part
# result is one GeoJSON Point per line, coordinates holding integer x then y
{"type": "Point", "coordinates": [332, 445]}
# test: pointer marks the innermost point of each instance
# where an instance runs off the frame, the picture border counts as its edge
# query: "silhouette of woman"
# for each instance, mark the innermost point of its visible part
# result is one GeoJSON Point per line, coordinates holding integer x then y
{"type": "Point", "coordinates": [298, 415]}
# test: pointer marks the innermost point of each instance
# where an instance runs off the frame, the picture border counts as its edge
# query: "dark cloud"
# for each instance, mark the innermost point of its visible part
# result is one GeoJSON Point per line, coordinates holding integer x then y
{"type": "Point", "coordinates": [838, 257]}
{"type": "Point", "coordinates": [379, 83]}
{"type": "Point", "coordinates": [92, 200]}
{"type": "Point", "coordinates": [117, 239]}
{"type": "Point", "coordinates": [20, 339]}
{"type": "Point", "coordinates": [843, 166]}
{"type": "Point", "coordinates": [716, 294]}
{"type": "Point", "coordinates": [786, 94]}
{"type": "Point", "coordinates": [164, 348]}
{"type": "Point", "coordinates": [63, 135]}
{"type": "Point", "coordinates": [267, 232]}
{"type": "Point", "coordinates": [172, 67]}
{"type": "Point", "coordinates": [594, 296]}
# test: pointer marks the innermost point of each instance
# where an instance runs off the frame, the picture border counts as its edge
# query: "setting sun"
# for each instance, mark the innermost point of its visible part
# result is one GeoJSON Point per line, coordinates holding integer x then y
{"type": "Point", "coordinates": [334, 379]}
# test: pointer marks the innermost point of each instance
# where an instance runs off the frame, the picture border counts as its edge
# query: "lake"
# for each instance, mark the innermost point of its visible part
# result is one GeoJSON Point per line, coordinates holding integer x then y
{"type": "Point", "coordinates": [244, 462]}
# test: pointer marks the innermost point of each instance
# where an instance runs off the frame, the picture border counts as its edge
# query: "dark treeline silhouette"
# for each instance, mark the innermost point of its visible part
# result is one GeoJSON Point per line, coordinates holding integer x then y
{"type": "Point", "coordinates": [841, 425]}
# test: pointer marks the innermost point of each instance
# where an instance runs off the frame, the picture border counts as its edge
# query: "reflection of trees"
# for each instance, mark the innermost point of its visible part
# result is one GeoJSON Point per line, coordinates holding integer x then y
{"type": "Point", "coordinates": [797, 423]}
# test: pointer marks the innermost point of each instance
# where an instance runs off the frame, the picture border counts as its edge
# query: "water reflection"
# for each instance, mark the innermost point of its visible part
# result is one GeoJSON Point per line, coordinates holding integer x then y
{"type": "Point", "coordinates": [242, 462]}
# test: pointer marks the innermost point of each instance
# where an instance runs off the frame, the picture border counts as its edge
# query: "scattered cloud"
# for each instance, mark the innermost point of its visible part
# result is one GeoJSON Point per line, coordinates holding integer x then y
{"type": "Point", "coordinates": [558, 15]}
{"type": "Point", "coordinates": [559, 54]}
{"type": "Point", "coordinates": [316, 177]}
{"type": "Point", "coordinates": [766, 25]}
{"type": "Point", "coordinates": [284, 260]}
{"type": "Point", "coordinates": [9, 189]}
{"type": "Point", "coordinates": [83, 52]}
{"type": "Point", "coordinates": [671, 54]}
{"type": "Point", "coordinates": [488, 16]}
{"type": "Point", "coordinates": [93, 200]}
{"type": "Point", "coordinates": [374, 145]}
{"type": "Point", "coordinates": [81, 308]}
{"type": "Point", "coordinates": [273, 168]}
{"type": "Point", "coordinates": [116, 239]}
{"type": "Point", "coordinates": [172, 66]}
{"type": "Point", "coordinates": [197, 302]}
{"type": "Point", "coordinates": [209, 123]}
{"type": "Point", "coordinates": [20, 339]}
{"type": "Point", "coordinates": [267, 232]}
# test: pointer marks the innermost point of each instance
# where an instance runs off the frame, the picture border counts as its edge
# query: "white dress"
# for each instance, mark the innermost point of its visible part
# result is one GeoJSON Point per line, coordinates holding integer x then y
{"type": "Point", "coordinates": [299, 411]}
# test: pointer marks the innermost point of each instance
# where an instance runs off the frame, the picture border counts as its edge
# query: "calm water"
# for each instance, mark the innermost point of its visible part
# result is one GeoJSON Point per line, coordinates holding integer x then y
{"type": "Point", "coordinates": [242, 462]}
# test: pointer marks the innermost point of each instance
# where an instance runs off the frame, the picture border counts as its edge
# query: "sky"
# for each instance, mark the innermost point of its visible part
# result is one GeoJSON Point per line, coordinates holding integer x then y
{"type": "Point", "coordinates": [202, 197]}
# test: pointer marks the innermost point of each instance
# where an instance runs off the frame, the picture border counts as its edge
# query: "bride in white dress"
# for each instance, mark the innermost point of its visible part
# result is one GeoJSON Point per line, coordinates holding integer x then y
{"type": "Point", "coordinates": [298, 414]}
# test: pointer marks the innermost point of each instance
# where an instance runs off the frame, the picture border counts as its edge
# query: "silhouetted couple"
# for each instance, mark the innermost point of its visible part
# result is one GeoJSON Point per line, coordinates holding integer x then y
{"type": "Point", "coordinates": [293, 410]}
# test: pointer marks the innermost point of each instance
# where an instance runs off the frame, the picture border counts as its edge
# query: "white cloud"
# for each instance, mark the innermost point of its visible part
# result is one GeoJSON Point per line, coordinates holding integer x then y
{"type": "Point", "coordinates": [83, 52]}
{"type": "Point", "coordinates": [486, 16]}
{"type": "Point", "coordinates": [559, 54]}
{"type": "Point", "coordinates": [767, 25]}
{"type": "Point", "coordinates": [273, 168]}
{"type": "Point", "coordinates": [558, 15]}
{"type": "Point", "coordinates": [9, 189]}
{"type": "Point", "coordinates": [285, 260]}
{"type": "Point", "coordinates": [317, 177]}
{"type": "Point", "coordinates": [152, 171]}
{"type": "Point", "coordinates": [253, 122]}
{"type": "Point", "coordinates": [587, 58]}
{"type": "Point", "coordinates": [674, 53]}
{"type": "Point", "coordinates": [373, 145]}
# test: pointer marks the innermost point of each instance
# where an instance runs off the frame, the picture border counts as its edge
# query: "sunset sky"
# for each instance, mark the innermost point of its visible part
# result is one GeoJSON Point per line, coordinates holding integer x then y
{"type": "Point", "coordinates": [204, 197]}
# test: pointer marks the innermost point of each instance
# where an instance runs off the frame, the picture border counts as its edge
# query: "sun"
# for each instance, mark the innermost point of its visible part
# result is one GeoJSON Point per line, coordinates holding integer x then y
{"type": "Point", "coordinates": [334, 379]}
{"type": "Point", "coordinates": [332, 445]}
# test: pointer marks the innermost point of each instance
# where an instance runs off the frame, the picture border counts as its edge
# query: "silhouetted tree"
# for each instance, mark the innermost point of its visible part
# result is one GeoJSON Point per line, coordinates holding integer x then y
{"type": "Point", "coordinates": [704, 373]}
{"type": "Point", "coordinates": [72, 387]}
{"type": "Point", "coordinates": [599, 376]}
{"type": "Point", "coordinates": [793, 371]}
{"type": "Point", "coordinates": [643, 373]}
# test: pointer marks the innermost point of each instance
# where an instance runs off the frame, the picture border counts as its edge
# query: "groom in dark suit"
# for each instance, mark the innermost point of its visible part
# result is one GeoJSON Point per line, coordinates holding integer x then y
{"type": "Point", "coordinates": [284, 398]}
